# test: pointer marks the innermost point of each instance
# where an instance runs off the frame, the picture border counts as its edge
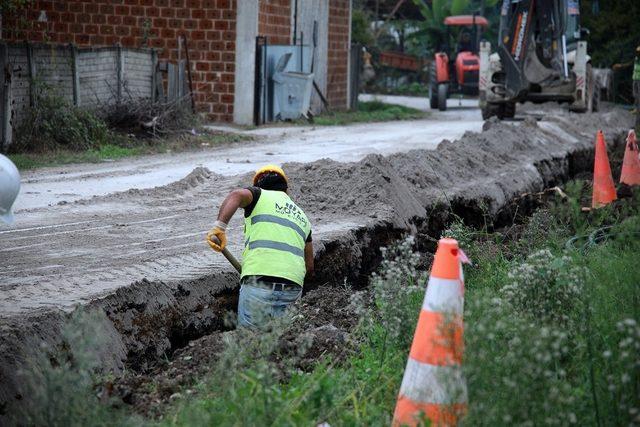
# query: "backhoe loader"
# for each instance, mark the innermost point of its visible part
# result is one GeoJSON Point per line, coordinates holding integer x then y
{"type": "Point", "coordinates": [540, 57]}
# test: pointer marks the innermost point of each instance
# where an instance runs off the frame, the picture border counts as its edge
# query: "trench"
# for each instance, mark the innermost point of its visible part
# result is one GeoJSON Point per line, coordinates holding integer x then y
{"type": "Point", "coordinates": [354, 259]}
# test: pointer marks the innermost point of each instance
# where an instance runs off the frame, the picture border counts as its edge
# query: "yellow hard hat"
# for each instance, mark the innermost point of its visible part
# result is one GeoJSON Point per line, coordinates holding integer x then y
{"type": "Point", "coordinates": [269, 168]}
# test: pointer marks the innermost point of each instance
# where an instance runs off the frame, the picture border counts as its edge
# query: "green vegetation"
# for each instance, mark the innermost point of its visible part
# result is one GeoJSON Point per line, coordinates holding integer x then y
{"type": "Point", "coordinates": [432, 30]}
{"type": "Point", "coordinates": [11, 6]}
{"type": "Point", "coordinates": [372, 111]}
{"type": "Point", "coordinates": [61, 157]}
{"type": "Point", "coordinates": [551, 338]}
{"type": "Point", "coordinates": [610, 44]}
{"type": "Point", "coordinates": [361, 27]}
{"type": "Point", "coordinates": [127, 147]}
{"type": "Point", "coordinates": [60, 382]}
{"type": "Point", "coordinates": [408, 89]}
{"type": "Point", "coordinates": [55, 132]}
{"type": "Point", "coordinates": [54, 123]}
{"type": "Point", "coordinates": [552, 334]}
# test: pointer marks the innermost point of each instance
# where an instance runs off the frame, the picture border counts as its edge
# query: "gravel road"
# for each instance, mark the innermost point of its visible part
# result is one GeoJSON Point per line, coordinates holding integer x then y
{"type": "Point", "coordinates": [88, 229]}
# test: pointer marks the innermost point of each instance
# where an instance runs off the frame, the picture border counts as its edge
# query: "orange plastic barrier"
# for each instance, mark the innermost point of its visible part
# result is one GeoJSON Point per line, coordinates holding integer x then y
{"type": "Point", "coordinates": [631, 164]}
{"type": "Point", "coordinates": [433, 386]}
{"type": "Point", "coordinates": [604, 191]}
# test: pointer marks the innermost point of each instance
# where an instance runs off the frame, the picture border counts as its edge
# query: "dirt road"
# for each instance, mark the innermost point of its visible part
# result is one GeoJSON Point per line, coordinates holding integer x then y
{"type": "Point", "coordinates": [84, 230]}
{"type": "Point", "coordinates": [351, 143]}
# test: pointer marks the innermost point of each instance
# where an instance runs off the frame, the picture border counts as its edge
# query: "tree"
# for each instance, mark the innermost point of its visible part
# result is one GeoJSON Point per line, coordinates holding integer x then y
{"type": "Point", "coordinates": [433, 29]}
{"type": "Point", "coordinates": [614, 35]}
{"type": "Point", "coordinates": [10, 7]}
{"type": "Point", "coordinates": [361, 27]}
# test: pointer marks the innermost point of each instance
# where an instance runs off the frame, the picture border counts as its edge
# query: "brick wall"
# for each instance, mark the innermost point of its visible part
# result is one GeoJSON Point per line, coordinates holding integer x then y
{"type": "Point", "coordinates": [338, 53]}
{"type": "Point", "coordinates": [210, 26]}
{"type": "Point", "coordinates": [274, 21]}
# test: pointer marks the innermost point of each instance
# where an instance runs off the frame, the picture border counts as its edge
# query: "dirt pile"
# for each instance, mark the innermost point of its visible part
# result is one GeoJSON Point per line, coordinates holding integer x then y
{"type": "Point", "coordinates": [322, 323]}
{"type": "Point", "coordinates": [489, 167]}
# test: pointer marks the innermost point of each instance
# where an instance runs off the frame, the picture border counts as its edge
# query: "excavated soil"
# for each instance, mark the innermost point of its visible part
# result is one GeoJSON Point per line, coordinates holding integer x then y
{"type": "Point", "coordinates": [162, 289]}
{"type": "Point", "coordinates": [323, 319]}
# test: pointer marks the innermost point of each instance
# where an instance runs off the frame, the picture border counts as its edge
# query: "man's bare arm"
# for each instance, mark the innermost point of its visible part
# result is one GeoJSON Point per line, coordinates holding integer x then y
{"type": "Point", "coordinates": [240, 198]}
{"type": "Point", "coordinates": [308, 259]}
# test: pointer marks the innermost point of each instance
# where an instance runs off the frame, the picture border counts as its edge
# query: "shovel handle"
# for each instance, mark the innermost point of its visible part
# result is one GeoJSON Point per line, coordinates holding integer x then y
{"type": "Point", "coordinates": [234, 262]}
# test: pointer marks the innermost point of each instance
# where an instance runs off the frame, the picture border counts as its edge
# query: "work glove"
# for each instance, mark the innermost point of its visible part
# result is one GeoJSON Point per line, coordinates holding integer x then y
{"type": "Point", "coordinates": [219, 231]}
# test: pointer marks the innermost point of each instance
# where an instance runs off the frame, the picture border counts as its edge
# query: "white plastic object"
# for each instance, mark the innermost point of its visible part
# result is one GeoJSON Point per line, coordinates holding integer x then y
{"type": "Point", "coordinates": [9, 188]}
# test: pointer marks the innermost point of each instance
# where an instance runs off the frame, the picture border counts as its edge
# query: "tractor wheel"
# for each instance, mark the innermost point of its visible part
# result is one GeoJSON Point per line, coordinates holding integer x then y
{"type": "Point", "coordinates": [490, 110]}
{"type": "Point", "coordinates": [443, 88]}
{"type": "Point", "coordinates": [433, 89]}
{"type": "Point", "coordinates": [508, 110]}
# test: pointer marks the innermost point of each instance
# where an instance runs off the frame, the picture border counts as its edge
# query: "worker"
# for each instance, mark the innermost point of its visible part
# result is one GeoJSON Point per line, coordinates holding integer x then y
{"type": "Point", "coordinates": [636, 83]}
{"type": "Point", "coordinates": [278, 252]}
{"type": "Point", "coordinates": [464, 42]}
{"type": "Point", "coordinates": [9, 188]}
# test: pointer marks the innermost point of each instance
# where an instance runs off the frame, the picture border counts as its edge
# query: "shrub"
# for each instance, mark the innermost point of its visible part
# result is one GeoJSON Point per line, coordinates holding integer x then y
{"type": "Point", "coordinates": [542, 226]}
{"type": "Point", "coordinates": [461, 232]}
{"type": "Point", "coordinates": [546, 287]}
{"type": "Point", "coordinates": [514, 368]}
{"type": "Point", "coordinates": [60, 382]}
{"type": "Point", "coordinates": [53, 123]}
{"type": "Point", "coordinates": [397, 287]}
{"type": "Point", "coordinates": [622, 370]}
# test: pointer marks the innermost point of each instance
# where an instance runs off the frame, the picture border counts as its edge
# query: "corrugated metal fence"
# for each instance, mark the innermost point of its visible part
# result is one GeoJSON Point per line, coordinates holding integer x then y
{"type": "Point", "coordinates": [86, 77]}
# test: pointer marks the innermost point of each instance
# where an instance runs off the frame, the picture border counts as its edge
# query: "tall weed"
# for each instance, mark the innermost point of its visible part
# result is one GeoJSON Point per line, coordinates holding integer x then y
{"type": "Point", "coordinates": [54, 123]}
{"type": "Point", "coordinates": [546, 287]}
{"type": "Point", "coordinates": [60, 383]}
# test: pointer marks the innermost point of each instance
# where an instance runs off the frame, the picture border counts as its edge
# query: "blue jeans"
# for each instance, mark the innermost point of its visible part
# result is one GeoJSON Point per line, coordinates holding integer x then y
{"type": "Point", "coordinates": [257, 305]}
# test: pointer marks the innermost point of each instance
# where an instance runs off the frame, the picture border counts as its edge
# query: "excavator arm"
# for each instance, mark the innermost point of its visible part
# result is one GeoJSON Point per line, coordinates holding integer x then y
{"type": "Point", "coordinates": [539, 57]}
{"type": "Point", "coordinates": [529, 44]}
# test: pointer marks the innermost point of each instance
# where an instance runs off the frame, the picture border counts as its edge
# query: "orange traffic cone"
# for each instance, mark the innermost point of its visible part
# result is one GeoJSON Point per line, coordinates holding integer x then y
{"type": "Point", "coordinates": [631, 164]}
{"type": "Point", "coordinates": [433, 386]}
{"type": "Point", "coordinates": [604, 191]}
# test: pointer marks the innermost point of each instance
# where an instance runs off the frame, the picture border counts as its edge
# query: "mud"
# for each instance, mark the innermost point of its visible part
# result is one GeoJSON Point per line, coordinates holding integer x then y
{"type": "Point", "coordinates": [323, 321]}
{"type": "Point", "coordinates": [161, 288]}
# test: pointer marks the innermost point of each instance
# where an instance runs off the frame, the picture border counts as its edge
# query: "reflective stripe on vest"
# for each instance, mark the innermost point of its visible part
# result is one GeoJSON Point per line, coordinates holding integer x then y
{"type": "Point", "coordinates": [636, 70]}
{"type": "Point", "coordinates": [269, 244]}
{"type": "Point", "coordinates": [275, 237]}
{"type": "Point", "coordinates": [277, 220]}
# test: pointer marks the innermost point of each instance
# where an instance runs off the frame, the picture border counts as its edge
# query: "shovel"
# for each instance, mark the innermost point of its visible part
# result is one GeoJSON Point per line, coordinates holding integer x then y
{"type": "Point", "coordinates": [228, 255]}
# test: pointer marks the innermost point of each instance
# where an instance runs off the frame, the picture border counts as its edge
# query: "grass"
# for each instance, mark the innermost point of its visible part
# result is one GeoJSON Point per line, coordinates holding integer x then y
{"type": "Point", "coordinates": [124, 148]}
{"type": "Point", "coordinates": [62, 157]}
{"type": "Point", "coordinates": [528, 360]}
{"type": "Point", "coordinates": [371, 111]}
{"type": "Point", "coordinates": [552, 337]}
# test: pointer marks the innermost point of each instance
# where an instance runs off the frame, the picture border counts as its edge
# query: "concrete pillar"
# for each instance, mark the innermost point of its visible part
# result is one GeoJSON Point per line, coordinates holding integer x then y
{"type": "Point", "coordinates": [246, 33]}
{"type": "Point", "coordinates": [308, 12]}
{"type": "Point", "coordinates": [349, 57]}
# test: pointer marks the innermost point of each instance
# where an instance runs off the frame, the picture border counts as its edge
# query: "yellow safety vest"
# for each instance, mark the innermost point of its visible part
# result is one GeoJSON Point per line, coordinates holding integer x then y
{"type": "Point", "coordinates": [275, 236]}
